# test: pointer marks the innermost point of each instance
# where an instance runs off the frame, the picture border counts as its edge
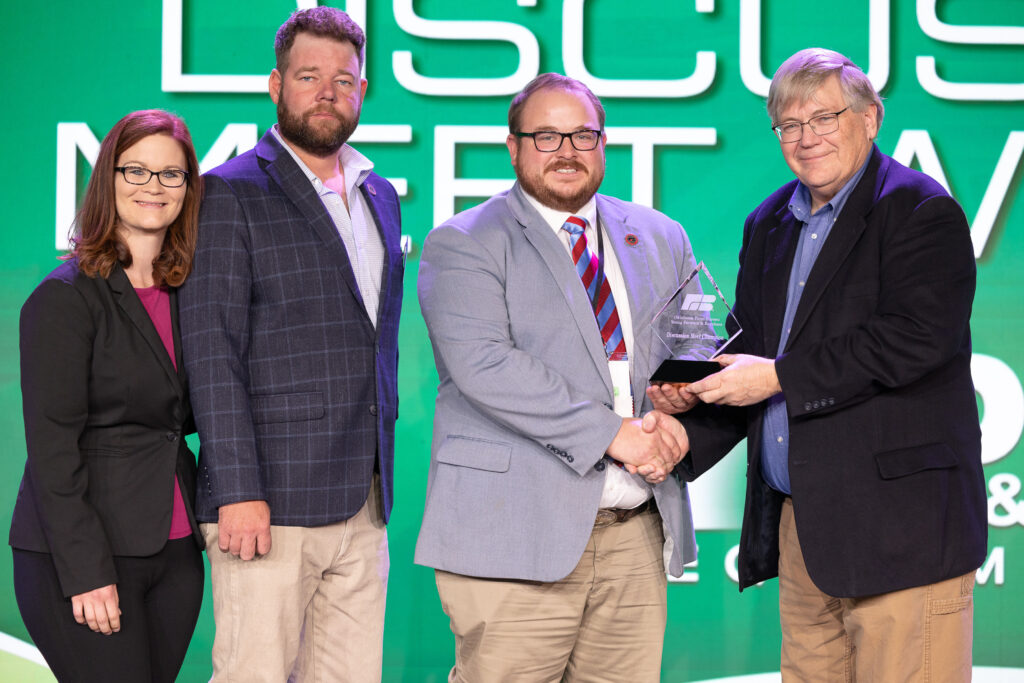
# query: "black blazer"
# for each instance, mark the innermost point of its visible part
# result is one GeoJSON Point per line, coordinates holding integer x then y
{"type": "Point", "coordinates": [105, 419]}
{"type": "Point", "coordinates": [885, 445]}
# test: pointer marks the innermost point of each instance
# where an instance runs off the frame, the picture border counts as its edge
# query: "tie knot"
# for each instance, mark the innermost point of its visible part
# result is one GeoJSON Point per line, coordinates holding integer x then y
{"type": "Point", "coordinates": [575, 225]}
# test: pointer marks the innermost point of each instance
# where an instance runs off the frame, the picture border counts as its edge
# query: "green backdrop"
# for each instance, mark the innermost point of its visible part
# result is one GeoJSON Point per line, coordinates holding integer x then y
{"type": "Point", "coordinates": [683, 83]}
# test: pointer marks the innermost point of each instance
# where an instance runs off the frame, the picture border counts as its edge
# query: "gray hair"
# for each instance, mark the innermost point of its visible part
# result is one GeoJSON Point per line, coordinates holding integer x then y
{"type": "Point", "coordinates": [801, 75]}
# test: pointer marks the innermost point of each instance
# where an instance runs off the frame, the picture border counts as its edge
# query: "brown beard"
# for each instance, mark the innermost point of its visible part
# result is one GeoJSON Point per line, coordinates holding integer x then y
{"type": "Point", "coordinates": [318, 141]}
{"type": "Point", "coordinates": [571, 203]}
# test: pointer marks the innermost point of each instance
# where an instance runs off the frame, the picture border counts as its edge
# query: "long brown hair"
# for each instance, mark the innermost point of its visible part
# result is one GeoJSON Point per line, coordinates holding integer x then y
{"type": "Point", "coordinates": [96, 242]}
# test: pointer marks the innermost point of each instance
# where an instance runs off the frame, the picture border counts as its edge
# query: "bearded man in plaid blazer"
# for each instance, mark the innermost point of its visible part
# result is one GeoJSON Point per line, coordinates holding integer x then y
{"type": "Point", "coordinates": [290, 333]}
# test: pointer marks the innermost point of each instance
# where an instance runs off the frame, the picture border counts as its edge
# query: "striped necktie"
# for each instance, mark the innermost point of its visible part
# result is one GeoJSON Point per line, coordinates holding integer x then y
{"type": "Point", "coordinates": [600, 293]}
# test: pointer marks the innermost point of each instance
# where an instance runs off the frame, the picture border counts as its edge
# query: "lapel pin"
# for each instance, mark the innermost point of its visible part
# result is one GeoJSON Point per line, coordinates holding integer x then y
{"type": "Point", "coordinates": [632, 240]}
{"type": "Point", "coordinates": [371, 189]}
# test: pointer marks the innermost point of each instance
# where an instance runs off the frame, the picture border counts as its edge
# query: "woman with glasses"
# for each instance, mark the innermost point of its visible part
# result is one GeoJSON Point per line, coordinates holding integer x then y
{"type": "Point", "coordinates": [108, 569]}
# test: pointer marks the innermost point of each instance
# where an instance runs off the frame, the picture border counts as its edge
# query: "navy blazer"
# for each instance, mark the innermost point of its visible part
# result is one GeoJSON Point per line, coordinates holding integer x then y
{"type": "Point", "coordinates": [885, 444]}
{"type": "Point", "coordinates": [294, 390]}
{"type": "Point", "coordinates": [106, 414]}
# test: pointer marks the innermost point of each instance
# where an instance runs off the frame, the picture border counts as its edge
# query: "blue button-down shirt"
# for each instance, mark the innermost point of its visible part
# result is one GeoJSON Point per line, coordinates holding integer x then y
{"type": "Point", "coordinates": [813, 233]}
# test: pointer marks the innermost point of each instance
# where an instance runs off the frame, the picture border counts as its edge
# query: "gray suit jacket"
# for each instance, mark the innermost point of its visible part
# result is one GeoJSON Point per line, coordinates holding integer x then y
{"type": "Point", "coordinates": [524, 407]}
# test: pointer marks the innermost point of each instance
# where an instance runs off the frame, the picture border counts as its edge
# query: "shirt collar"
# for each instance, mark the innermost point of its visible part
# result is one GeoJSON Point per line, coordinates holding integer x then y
{"type": "Point", "coordinates": [356, 166]}
{"type": "Point", "coordinates": [800, 202]}
{"type": "Point", "coordinates": [556, 219]}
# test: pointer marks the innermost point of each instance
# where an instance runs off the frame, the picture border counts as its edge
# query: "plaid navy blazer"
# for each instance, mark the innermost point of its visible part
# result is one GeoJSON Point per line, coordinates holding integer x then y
{"type": "Point", "coordinates": [294, 390]}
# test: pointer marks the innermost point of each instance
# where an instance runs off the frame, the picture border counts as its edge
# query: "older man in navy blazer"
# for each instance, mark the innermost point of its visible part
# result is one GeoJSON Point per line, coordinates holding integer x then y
{"type": "Point", "coordinates": [865, 492]}
{"type": "Point", "coordinates": [290, 325]}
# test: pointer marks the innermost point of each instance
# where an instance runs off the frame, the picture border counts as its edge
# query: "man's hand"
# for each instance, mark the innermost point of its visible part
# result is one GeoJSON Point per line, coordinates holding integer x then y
{"type": "Point", "coordinates": [674, 437]}
{"type": "Point", "coordinates": [670, 398]}
{"type": "Point", "coordinates": [99, 609]}
{"type": "Point", "coordinates": [744, 380]}
{"type": "Point", "coordinates": [244, 528]}
{"type": "Point", "coordinates": [650, 447]}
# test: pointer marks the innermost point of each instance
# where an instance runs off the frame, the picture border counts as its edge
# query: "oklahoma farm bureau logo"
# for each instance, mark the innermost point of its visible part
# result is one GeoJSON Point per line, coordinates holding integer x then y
{"type": "Point", "coordinates": [698, 302]}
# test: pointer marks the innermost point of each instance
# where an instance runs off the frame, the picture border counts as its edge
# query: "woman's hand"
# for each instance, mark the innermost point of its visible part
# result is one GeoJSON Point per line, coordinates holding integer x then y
{"type": "Point", "coordinates": [99, 609]}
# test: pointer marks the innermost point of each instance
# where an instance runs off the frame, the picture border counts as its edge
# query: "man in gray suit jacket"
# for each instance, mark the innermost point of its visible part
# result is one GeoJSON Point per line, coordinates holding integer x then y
{"type": "Point", "coordinates": [552, 508]}
{"type": "Point", "coordinates": [290, 331]}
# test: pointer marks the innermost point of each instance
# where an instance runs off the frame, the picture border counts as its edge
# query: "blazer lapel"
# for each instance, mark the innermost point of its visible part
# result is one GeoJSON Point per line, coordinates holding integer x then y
{"type": "Point", "coordinates": [129, 302]}
{"type": "Point", "coordinates": [387, 223]}
{"type": "Point", "coordinates": [780, 250]}
{"type": "Point", "coordinates": [640, 291]}
{"type": "Point", "coordinates": [179, 364]}
{"type": "Point", "coordinates": [287, 174]}
{"type": "Point", "coordinates": [559, 263]}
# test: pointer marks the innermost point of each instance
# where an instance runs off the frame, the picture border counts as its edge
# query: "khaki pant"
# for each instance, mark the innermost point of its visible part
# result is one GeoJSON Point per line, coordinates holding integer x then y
{"type": "Point", "coordinates": [920, 634]}
{"type": "Point", "coordinates": [309, 611]}
{"type": "Point", "coordinates": [605, 622]}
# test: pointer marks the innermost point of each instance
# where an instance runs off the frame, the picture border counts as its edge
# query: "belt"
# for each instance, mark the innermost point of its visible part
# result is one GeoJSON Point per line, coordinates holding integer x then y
{"type": "Point", "coordinates": [609, 516]}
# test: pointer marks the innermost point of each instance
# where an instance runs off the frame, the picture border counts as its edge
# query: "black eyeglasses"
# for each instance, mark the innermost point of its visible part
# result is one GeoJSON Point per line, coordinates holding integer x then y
{"type": "Point", "coordinates": [551, 140]}
{"type": "Point", "coordinates": [791, 131]}
{"type": "Point", "coordinates": [139, 175]}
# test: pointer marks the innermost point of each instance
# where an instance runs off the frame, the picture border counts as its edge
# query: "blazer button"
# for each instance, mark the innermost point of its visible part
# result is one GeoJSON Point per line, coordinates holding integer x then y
{"type": "Point", "coordinates": [373, 410]}
{"type": "Point", "coordinates": [599, 466]}
{"type": "Point", "coordinates": [172, 436]}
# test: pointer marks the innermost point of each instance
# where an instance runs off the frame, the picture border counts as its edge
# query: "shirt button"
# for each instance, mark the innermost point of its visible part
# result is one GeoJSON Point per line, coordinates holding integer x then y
{"type": "Point", "coordinates": [801, 284]}
{"type": "Point", "coordinates": [779, 439]}
{"type": "Point", "coordinates": [814, 235]}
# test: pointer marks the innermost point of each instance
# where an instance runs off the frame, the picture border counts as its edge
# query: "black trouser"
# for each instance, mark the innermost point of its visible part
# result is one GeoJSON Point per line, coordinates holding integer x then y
{"type": "Point", "coordinates": [159, 596]}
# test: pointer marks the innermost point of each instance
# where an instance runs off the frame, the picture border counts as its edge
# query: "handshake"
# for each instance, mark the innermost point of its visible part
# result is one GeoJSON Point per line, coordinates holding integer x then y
{"type": "Point", "coordinates": [654, 445]}
{"type": "Point", "coordinates": [650, 446]}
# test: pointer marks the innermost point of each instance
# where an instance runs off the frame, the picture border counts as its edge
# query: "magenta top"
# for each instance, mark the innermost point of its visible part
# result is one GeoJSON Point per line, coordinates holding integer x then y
{"type": "Point", "coordinates": [157, 302]}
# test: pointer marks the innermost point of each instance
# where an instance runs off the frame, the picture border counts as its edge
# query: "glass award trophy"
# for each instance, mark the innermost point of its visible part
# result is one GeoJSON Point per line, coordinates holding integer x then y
{"type": "Point", "coordinates": [694, 326]}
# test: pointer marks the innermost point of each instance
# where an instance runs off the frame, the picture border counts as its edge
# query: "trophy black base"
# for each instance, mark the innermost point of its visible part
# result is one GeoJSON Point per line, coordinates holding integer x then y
{"type": "Point", "coordinates": [674, 371]}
